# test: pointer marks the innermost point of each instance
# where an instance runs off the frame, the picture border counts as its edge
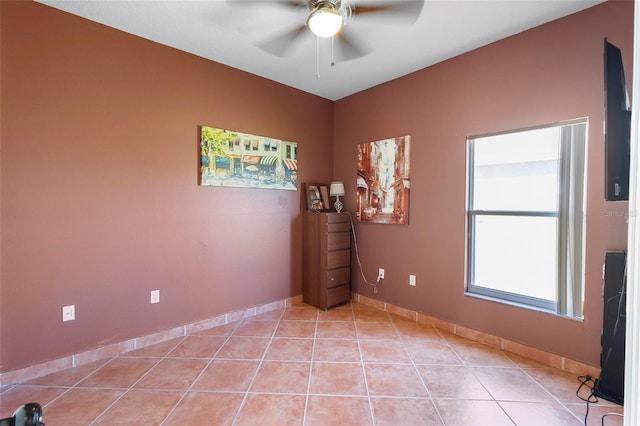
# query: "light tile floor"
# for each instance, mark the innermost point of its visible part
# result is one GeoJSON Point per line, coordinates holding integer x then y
{"type": "Point", "coordinates": [353, 365]}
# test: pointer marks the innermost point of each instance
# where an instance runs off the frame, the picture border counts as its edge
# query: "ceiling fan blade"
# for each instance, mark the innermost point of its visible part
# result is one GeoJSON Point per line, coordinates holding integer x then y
{"type": "Point", "coordinates": [285, 3]}
{"type": "Point", "coordinates": [256, 16]}
{"type": "Point", "coordinates": [349, 46]}
{"type": "Point", "coordinates": [280, 44]}
{"type": "Point", "coordinates": [406, 10]}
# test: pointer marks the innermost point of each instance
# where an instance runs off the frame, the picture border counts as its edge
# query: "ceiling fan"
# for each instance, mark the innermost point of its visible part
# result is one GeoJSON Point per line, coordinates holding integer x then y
{"type": "Point", "coordinates": [333, 19]}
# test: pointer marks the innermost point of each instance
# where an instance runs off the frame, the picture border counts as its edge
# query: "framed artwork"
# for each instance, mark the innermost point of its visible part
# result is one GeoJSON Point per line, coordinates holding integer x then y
{"type": "Point", "coordinates": [229, 158]}
{"type": "Point", "coordinates": [383, 181]}
{"type": "Point", "coordinates": [317, 197]}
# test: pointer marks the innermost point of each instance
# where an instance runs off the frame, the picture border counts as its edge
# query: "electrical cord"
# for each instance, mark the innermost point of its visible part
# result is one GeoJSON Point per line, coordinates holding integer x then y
{"type": "Point", "coordinates": [591, 384]}
{"type": "Point", "coordinates": [355, 244]}
{"type": "Point", "coordinates": [592, 398]}
{"type": "Point", "coordinates": [610, 414]}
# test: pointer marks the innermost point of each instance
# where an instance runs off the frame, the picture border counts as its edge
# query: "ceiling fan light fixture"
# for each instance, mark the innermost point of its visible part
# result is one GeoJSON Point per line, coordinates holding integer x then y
{"type": "Point", "coordinates": [325, 20]}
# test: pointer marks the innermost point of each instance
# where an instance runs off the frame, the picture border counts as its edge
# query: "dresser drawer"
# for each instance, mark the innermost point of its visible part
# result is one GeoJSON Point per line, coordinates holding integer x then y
{"type": "Point", "coordinates": [338, 241]}
{"type": "Point", "coordinates": [340, 276]}
{"type": "Point", "coordinates": [338, 227]}
{"type": "Point", "coordinates": [338, 218]}
{"type": "Point", "coordinates": [338, 259]}
{"type": "Point", "coordinates": [338, 295]}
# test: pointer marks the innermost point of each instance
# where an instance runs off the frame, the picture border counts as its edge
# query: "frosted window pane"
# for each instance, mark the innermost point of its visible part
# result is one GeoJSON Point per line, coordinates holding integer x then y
{"type": "Point", "coordinates": [517, 171]}
{"type": "Point", "coordinates": [516, 254]}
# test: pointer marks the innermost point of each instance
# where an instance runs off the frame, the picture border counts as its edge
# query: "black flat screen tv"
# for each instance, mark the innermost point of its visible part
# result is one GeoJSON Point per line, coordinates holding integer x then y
{"type": "Point", "coordinates": [617, 126]}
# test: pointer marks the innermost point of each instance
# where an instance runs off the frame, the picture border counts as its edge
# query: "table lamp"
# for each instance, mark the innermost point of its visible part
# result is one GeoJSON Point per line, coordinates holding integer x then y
{"type": "Point", "coordinates": [337, 189]}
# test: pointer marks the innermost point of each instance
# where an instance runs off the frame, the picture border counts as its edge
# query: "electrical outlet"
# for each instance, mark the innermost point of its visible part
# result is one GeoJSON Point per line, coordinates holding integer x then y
{"type": "Point", "coordinates": [381, 273]}
{"type": "Point", "coordinates": [155, 296]}
{"type": "Point", "coordinates": [68, 313]}
{"type": "Point", "coordinates": [412, 280]}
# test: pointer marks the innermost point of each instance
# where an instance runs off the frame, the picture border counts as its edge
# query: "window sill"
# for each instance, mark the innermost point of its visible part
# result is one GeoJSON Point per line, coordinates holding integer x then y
{"type": "Point", "coordinates": [521, 305]}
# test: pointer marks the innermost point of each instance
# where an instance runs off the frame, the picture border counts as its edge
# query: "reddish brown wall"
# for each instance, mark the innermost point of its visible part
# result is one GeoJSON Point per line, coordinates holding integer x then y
{"type": "Point", "coordinates": [545, 75]}
{"type": "Point", "coordinates": [100, 202]}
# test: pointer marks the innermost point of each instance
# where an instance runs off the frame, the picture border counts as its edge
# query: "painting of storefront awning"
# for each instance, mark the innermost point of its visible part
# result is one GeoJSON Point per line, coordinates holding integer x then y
{"type": "Point", "coordinates": [236, 159]}
{"type": "Point", "coordinates": [383, 181]}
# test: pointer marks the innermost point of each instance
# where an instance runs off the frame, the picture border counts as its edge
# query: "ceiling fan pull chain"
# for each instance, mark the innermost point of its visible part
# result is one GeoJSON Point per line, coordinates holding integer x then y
{"type": "Point", "coordinates": [333, 61]}
{"type": "Point", "coordinates": [317, 56]}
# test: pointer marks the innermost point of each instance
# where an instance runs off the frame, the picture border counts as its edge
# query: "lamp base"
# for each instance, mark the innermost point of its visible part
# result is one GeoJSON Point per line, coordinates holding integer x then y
{"type": "Point", "coordinates": [338, 204]}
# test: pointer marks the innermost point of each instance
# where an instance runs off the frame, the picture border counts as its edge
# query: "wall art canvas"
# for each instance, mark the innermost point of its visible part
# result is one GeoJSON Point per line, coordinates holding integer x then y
{"type": "Point", "coordinates": [383, 181]}
{"type": "Point", "coordinates": [229, 158]}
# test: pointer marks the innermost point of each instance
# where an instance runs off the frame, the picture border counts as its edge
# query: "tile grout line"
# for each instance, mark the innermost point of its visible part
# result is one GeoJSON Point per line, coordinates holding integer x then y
{"type": "Point", "coordinates": [211, 359]}
{"type": "Point", "coordinates": [125, 392]}
{"type": "Point", "coordinates": [415, 368]}
{"type": "Point", "coordinates": [75, 385]}
{"type": "Point", "coordinates": [364, 370]}
{"type": "Point", "coordinates": [159, 360]}
{"type": "Point", "coordinates": [311, 363]}
{"type": "Point", "coordinates": [255, 374]}
{"type": "Point", "coordinates": [550, 394]}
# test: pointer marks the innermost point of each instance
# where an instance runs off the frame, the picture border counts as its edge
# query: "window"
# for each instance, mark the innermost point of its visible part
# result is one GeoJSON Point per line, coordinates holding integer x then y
{"type": "Point", "coordinates": [525, 217]}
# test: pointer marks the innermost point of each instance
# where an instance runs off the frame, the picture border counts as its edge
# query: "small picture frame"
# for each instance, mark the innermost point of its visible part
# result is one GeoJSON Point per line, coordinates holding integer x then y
{"type": "Point", "coordinates": [318, 197]}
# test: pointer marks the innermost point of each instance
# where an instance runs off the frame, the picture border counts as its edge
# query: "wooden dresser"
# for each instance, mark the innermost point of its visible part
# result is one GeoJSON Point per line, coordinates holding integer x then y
{"type": "Point", "coordinates": [326, 259]}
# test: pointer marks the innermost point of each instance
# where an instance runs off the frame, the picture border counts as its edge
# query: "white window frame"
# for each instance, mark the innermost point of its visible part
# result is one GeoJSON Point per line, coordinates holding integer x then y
{"type": "Point", "coordinates": [571, 225]}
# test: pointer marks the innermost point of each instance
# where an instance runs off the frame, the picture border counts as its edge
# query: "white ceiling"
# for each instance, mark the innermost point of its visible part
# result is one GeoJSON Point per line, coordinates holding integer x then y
{"type": "Point", "coordinates": [219, 31]}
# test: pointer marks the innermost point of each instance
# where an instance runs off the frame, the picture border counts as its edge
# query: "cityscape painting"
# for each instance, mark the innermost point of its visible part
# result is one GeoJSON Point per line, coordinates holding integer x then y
{"type": "Point", "coordinates": [383, 181]}
{"type": "Point", "coordinates": [229, 158]}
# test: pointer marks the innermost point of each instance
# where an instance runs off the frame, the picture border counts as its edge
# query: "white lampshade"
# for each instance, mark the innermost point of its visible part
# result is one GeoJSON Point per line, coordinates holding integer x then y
{"type": "Point", "coordinates": [325, 21]}
{"type": "Point", "coordinates": [337, 188]}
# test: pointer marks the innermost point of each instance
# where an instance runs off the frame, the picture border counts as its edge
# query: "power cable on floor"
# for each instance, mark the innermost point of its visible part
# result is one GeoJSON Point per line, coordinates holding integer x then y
{"type": "Point", "coordinates": [355, 244]}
